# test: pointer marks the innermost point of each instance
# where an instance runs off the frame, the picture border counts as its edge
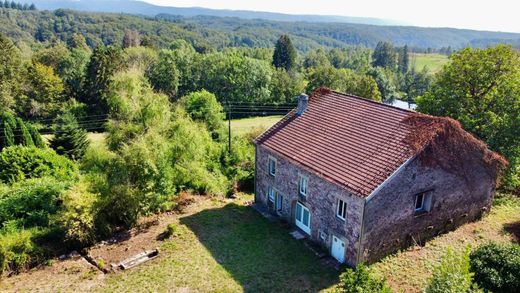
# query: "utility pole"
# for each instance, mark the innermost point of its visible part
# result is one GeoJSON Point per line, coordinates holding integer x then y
{"type": "Point", "coordinates": [229, 127]}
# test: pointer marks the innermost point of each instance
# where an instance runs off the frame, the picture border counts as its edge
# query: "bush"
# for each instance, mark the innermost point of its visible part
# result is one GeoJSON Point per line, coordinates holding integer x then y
{"type": "Point", "coordinates": [203, 106]}
{"type": "Point", "coordinates": [77, 219]}
{"type": "Point", "coordinates": [170, 230]}
{"type": "Point", "coordinates": [31, 202]}
{"type": "Point", "coordinates": [18, 163]}
{"type": "Point", "coordinates": [452, 275]}
{"type": "Point", "coordinates": [497, 267]}
{"type": "Point", "coordinates": [361, 281]}
{"type": "Point", "coordinates": [17, 251]}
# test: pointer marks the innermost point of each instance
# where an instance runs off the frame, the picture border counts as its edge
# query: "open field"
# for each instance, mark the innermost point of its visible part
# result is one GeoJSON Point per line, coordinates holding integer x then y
{"type": "Point", "coordinates": [241, 126]}
{"type": "Point", "coordinates": [224, 245]}
{"type": "Point", "coordinates": [434, 62]}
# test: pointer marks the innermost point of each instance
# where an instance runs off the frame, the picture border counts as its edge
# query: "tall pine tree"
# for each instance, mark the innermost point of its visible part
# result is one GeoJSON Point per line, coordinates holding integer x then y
{"type": "Point", "coordinates": [404, 60]}
{"type": "Point", "coordinates": [104, 62]}
{"type": "Point", "coordinates": [284, 54]}
{"type": "Point", "coordinates": [384, 56]}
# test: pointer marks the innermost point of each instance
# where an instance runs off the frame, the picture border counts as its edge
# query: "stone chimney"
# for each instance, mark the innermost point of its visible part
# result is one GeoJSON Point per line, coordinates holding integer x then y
{"type": "Point", "coordinates": [303, 100]}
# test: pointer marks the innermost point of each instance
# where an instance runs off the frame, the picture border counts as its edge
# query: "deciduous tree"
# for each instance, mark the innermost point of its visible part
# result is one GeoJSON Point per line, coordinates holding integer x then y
{"type": "Point", "coordinates": [481, 89]}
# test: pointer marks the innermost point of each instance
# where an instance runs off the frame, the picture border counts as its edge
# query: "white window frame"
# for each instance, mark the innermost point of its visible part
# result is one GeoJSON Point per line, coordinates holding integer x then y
{"type": "Point", "coordinates": [299, 218]}
{"type": "Point", "coordinates": [426, 202]}
{"type": "Point", "coordinates": [271, 194]}
{"type": "Point", "coordinates": [273, 160]}
{"type": "Point", "coordinates": [341, 209]}
{"type": "Point", "coordinates": [303, 188]}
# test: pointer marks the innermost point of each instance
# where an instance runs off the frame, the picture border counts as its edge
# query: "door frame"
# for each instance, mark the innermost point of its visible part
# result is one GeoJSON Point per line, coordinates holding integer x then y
{"type": "Point", "coordinates": [300, 224]}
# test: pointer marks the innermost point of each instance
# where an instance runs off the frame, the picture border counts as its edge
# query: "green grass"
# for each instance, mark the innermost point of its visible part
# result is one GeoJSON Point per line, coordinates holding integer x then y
{"type": "Point", "coordinates": [228, 247]}
{"type": "Point", "coordinates": [434, 62]}
{"type": "Point", "coordinates": [242, 126]}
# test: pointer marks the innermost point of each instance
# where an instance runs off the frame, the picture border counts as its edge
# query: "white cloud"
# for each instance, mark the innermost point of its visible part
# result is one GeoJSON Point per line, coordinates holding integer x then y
{"type": "Point", "coordinates": [497, 15]}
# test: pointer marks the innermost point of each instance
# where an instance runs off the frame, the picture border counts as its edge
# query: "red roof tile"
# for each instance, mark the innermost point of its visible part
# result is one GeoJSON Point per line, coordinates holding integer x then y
{"type": "Point", "coordinates": [351, 141]}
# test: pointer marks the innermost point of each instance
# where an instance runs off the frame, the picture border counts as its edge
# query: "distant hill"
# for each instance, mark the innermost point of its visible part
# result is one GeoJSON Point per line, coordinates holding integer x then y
{"type": "Point", "coordinates": [143, 8]}
{"type": "Point", "coordinates": [206, 32]}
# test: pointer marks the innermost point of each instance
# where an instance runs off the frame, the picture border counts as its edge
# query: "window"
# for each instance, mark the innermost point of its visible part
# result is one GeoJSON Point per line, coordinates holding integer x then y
{"type": "Point", "coordinates": [303, 182]}
{"type": "Point", "coordinates": [272, 166]}
{"type": "Point", "coordinates": [270, 194]}
{"type": "Point", "coordinates": [423, 202]}
{"type": "Point", "coordinates": [419, 202]}
{"type": "Point", "coordinates": [303, 218]}
{"type": "Point", "coordinates": [342, 209]}
{"type": "Point", "coordinates": [279, 201]}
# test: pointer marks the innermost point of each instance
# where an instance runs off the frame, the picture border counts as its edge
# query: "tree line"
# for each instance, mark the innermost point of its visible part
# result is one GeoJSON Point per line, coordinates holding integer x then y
{"type": "Point", "coordinates": [17, 5]}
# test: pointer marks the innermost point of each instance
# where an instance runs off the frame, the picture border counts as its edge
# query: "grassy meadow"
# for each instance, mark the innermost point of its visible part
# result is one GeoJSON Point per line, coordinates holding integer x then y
{"type": "Point", "coordinates": [433, 62]}
{"type": "Point", "coordinates": [245, 125]}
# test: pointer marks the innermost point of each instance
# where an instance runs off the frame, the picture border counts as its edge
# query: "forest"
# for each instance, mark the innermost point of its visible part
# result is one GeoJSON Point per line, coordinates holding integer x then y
{"type": "Point", "coordinates": [64, 74]}
{"type": "Point", "coordinates": [216, 33]}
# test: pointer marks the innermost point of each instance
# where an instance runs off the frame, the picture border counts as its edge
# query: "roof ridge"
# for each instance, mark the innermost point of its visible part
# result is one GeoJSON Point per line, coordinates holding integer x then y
{"type": "Point", "coordinates": [373, 102]}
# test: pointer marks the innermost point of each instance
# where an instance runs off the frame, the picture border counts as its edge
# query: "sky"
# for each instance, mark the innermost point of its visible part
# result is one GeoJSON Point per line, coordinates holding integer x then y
{"type": "Point", "coordinates": [494, 15]}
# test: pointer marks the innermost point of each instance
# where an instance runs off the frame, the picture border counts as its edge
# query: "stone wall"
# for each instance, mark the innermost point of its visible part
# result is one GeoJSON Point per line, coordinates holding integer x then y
{"type": "Point", "coordinates": [321, 200]}
{"type": "Point", "coordinates": [391, 223]}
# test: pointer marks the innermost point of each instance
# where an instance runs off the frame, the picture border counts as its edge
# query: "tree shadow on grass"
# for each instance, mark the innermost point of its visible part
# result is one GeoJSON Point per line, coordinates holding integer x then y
{"type": "Point", "coordinates": [514, 230]}
{"type": "Point", "coordinates": [259, 254]}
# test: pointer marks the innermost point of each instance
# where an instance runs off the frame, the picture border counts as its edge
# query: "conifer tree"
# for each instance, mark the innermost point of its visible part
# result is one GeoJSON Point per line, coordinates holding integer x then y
{"type": "Point", "coordinates": [22, 136]}
{"type": "Point", "coordinates": [384, 56]}
{"type": "Point", "coordinates": [69, 138]}
{"type": "Point", "coordinates": [14, 131]}
{"type": "Point", "coordinates": [404, 60]}
{"type": "Point", "coordinates": [284, 54]}
{"type": "Point", "coordinates": [36, 137]}
{"type": "Point", "coordinates": [8, 127]}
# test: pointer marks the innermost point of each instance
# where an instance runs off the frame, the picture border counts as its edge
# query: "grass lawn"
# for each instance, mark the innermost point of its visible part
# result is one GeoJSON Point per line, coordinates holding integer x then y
{"type": "Point", "coordinates": [241, 126]}
{"type": "Point", "coordinates": [434, 62]}
{"type": "Point", "coordinates": [225, 246]}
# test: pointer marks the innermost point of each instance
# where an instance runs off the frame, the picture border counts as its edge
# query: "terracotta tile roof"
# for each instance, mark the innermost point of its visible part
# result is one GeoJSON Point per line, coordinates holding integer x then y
{"type": "Point", "coordinates": [351, 141]}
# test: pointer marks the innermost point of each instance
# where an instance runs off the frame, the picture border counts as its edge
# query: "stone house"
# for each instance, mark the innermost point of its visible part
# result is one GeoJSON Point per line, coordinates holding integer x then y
{"type": "Point", "coordinates": [349, 174]}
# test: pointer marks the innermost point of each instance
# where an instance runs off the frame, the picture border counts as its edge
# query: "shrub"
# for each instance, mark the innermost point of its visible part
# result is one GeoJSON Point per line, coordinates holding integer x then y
{"type": "Point", "coordinates": [497, 267]}
{"type": "Point", "coordinates": [18, 163]}
{"type": "Point", "coordinates": [203, 106]}
{"type": "Point", "coordinates": [17, 251]}
{"type": "Point", "coordinates": [361, 280]}
{"type": "Point", "coordinates": [31, 202]}
{"type": "Point", "coordinates": [170, 230]}
{"type": "Point", "coordinates": [119, 207]}
{"type": "Point", "coordinates": [452, 275]}
{"type": "Point", "coordinates": [77, 218]}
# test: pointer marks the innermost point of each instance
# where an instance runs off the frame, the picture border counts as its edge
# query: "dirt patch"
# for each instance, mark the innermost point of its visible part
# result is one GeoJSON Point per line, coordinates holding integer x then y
{"type": "Point", "coordinates": [146, 236]}
{"type": "Point", "coordinates": [62, 276]}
